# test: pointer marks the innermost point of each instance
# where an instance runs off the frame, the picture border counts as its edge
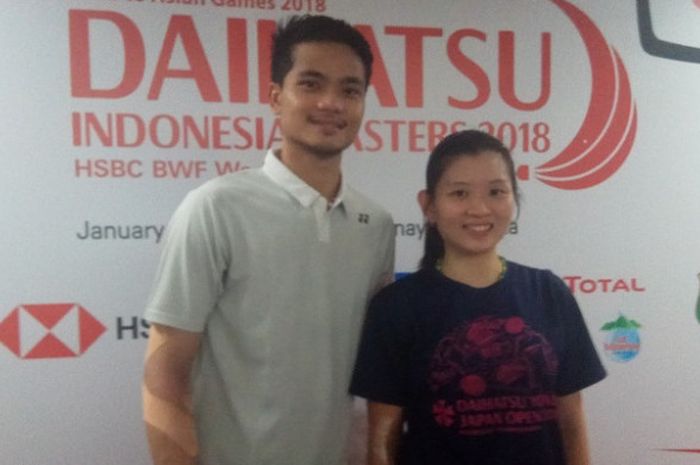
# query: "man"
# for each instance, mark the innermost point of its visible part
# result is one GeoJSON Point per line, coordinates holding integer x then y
{"type": "Point", "coordinates": [265, 275]}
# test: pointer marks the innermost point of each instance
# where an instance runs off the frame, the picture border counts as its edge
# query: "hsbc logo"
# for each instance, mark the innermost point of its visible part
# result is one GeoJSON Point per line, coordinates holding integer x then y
{"type": "Point", "coordinates": [60, 330]}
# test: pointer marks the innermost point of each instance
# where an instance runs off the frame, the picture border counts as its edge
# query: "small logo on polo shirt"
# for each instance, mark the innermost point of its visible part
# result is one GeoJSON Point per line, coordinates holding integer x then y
{"type": "Point", "coordinates": [363, 218]}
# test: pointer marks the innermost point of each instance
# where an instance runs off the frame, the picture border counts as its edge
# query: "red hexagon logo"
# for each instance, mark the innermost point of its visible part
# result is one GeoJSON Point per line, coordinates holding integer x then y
{"type": "Point", "coordinates": [35, 331]}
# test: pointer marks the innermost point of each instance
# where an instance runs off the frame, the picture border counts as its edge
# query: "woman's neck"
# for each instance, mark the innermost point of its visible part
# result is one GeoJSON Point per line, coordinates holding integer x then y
{"type": "Point", "coordinates": [475, 271]}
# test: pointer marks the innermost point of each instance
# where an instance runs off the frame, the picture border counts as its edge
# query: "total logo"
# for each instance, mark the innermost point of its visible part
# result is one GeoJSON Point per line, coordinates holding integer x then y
{"type": "Point", "coordinates": [57, 330]}
{"type": "Point", "coordinates": [587, 285]}
{"type": "Point", "coordinates": [622, 342]}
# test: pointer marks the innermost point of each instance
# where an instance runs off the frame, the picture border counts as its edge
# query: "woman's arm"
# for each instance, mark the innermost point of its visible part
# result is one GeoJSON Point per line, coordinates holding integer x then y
{"type": "Point", "coordinates": [572, 424]}
{"type": "Point", "coordinates": [385, 426]}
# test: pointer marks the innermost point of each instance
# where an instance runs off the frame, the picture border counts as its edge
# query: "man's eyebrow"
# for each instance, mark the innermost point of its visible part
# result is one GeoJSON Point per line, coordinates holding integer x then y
{"type": "Point", "coordinates": [318, 75]}
{"type": "Point", "coordinates": [312, 73]}
{"type": "Point", "coordinates": [353, 80]}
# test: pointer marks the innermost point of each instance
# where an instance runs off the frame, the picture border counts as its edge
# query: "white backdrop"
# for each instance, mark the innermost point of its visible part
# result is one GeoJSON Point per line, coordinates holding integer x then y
{"type": "Point", "coordinates": [111, 110]}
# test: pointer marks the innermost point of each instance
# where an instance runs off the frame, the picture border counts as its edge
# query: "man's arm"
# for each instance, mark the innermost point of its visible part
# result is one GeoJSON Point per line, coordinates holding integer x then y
{"type": "Point", "coordinates": [572, 424]}
{"type": "Point", "coordinates": [167, 402]}
{"type": "Point", "coordinates": [385, 426]}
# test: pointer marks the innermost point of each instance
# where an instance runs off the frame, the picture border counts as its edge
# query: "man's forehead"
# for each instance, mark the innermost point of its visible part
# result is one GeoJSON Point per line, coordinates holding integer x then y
{"type": "Point", "coordinates": [334, 48]}
{"type": "Point", "coordinates": [311, 72]}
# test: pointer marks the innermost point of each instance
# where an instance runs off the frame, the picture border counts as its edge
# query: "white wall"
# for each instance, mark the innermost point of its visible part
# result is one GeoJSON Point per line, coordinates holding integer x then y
{"type": "Point", "coordinates": [638, 223]}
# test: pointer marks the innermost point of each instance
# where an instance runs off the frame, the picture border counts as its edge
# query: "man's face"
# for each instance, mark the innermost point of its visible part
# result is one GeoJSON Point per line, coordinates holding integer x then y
{"type": "Point", "coordinates": [321, 101]}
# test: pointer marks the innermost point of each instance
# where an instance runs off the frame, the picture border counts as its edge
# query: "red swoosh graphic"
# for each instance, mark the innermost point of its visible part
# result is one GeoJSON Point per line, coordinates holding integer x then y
{"type": "Point", "coordinates": [689, 451]}
{"type": "Point", "coordinates": [607, 133]}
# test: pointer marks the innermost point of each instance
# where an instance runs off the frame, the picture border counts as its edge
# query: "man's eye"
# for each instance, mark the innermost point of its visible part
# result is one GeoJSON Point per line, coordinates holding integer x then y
{"type": "Point", "coordinates": [308, 84]}
{"type": "Point", "coordinates": [353, 92]}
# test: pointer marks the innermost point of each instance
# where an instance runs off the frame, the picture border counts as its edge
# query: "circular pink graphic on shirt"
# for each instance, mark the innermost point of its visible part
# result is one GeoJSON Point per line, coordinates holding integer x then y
{"type": "Point", "coordinates": [515, 325]}
{"type": "Point", "coordinates": [473, 385]}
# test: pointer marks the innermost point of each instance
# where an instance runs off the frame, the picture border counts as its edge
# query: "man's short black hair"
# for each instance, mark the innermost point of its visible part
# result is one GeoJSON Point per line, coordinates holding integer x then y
{"type": "Point", "coordinates": [315, 28]}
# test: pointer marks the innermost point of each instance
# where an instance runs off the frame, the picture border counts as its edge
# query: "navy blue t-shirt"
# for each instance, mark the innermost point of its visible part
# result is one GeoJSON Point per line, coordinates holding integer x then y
{"type": "Point", "coordinates": [476, 370]}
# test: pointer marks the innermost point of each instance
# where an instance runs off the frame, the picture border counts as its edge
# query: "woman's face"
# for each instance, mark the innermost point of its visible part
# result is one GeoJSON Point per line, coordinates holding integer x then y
{"type": "Point", "coordinates": [473, 204]}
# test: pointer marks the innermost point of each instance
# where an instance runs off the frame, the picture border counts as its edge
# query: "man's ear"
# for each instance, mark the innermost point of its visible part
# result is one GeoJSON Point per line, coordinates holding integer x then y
{"type": "Point", "coordinates": [426, 205]}
{"type": "Point", "coordinates": [274, 93]}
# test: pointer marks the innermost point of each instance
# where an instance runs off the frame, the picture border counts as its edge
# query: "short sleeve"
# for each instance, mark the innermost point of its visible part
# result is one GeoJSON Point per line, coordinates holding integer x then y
{"type": "Point", "coordinates": [580, 365]}
{"type": "Point", "coordinates": [381, 370]}
{"type": "Point", "coordinates": [193, 263]}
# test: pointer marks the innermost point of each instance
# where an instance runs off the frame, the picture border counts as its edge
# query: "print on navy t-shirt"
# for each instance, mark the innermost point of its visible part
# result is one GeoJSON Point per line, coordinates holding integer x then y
{"type": "Point", "coordinates": [493, 374]}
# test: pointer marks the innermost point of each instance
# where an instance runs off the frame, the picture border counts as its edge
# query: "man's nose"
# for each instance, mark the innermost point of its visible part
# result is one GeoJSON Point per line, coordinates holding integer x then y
{"type": "Point", "coordinates": [331, 100]}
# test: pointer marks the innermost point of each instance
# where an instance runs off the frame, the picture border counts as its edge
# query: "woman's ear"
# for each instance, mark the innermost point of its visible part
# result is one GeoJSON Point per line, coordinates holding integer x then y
{"type": "Point", "coordinates": [426, 206]}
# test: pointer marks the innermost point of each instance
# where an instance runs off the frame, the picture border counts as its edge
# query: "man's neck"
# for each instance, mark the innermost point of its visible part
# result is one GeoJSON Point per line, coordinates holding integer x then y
{"type": "Point", "coordinates": [322, 174]}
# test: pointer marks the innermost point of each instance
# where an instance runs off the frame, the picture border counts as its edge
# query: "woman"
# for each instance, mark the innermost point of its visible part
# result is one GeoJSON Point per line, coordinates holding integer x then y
{"type": "Point", "coordinates": [474, 359]}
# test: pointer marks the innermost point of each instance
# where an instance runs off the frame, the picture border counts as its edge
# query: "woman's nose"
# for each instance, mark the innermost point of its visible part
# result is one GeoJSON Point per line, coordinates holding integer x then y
{"type": "Point", "coordinates": [476, 205]}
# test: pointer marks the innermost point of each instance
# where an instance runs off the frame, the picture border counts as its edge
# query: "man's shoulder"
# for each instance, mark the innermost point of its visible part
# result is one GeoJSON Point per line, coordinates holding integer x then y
{"type": "Point", "coordinates": [237, 180]}
{"type": "Point", "coordinates": [234, 193]}
{"type": "Point", "coordinates": [238, 184]}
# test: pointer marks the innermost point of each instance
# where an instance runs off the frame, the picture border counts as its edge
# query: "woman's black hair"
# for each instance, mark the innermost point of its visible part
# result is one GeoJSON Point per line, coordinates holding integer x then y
{"type": "Point", "coordinates": [469, 142]}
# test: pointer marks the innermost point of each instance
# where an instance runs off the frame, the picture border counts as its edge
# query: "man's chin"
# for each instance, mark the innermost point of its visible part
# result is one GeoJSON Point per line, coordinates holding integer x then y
{"type": "Point", "coordinates": [319, 147]}
{"type": "Point", "coordinates": [326, 151]}
{"type": "Point", "coordinates": [325, 154]}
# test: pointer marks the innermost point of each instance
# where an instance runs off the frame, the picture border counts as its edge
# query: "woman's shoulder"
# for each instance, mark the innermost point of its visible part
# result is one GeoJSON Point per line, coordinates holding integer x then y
{"type": "Point", "coordinates": [407, 290]}
{"type": "Point", "coordinates": [542, 281]}
{"type": "Point", "coordinates": [522, 271]}
{"type": "Point", "coordinates": [399, 305]}
{"type": "Point", "coordinates": [534, 276]}
{"type": "Point", "coordinates": [407, 283]}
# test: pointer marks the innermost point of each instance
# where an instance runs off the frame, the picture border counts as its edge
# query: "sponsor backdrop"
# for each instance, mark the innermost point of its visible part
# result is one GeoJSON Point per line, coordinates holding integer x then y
{"type": "Point", "coordinates": [112, 110]}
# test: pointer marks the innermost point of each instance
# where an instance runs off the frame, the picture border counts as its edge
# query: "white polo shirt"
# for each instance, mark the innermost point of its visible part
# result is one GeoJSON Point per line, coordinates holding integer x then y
{"type": "Point", "coordinates": [278, 284]}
